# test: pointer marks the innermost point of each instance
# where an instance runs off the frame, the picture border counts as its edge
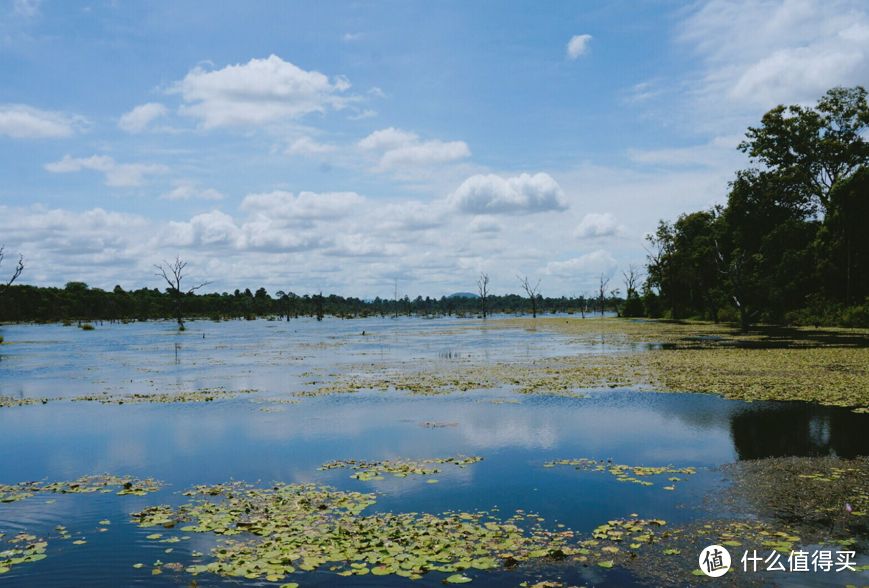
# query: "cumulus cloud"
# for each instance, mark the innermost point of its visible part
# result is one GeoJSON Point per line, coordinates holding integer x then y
{"type": "Point", "coordinates": [141, 116]}
{"type": "Point", "coordinates": [779, 51]}
{"type": "Point", "coordinates": [189, 191]}
{"type": "Point", "coordinates": [578, 45]}
{"type": "Point", "coordinates": [594, 226]}
{"type": "Point", "coordinates": [306, 206]}
{"type": "Point", "coordinates": [20, 121]}
{"type": "Point", "coordinates": [524, 194]}
{"type": "Point", "coordinates": [308, 146]}
{"type": "Point", "coordinates": [213, 229]}
{"type": "Point", "coordinates": [116, 174]}
{"type": "Point", "coordinates": [402, 148]}
{"type": "Point", "coordinates": [590, 264]}
{"type": "Point", "coordinates": [484, 224]}
{"type": "Point", "coordinates": [258, 92]}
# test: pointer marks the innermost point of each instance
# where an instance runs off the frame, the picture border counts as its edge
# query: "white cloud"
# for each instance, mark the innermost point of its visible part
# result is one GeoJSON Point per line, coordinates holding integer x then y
{"type": "Point", "coordinates": [116, 174]}
{"type": "Point", "coordinates": [484, 224]}
{"type": "Point", "coordinates": [259, 92]}
{"type": "Point", "coordinates": [762, 54]}
{"type": "Point", "coordinates": [402, 148]}
{"type": "Point", "coordinates": [26, 7]}
{"type": "Point", "coordinates": [524, 194]}
{"type": "Point", "coordinates": [427, 153]}
{"type": "Point", "coordinates": [137, 119]}
{"type": "Point", "coordinates": [306, 206]}
{"type": "Point", "coordinates": [188, 191]}
{"type": "Point", "coordinates": [390, 138]}
{"type": "Point", "coordinates": [594, 226]}
{"type": "Point", "coordinates": [307, 146]}
{"type": "Point", "coordinates": [362, 115]}
{"type": "Point", "coordinates": [351, 37]}
{"type": "Point", "coordinates": [578, 45]}
{"type": "Point", "coordinates": [212, 229]}
{"type": "Point", "coordinates": [24, 122]}
{"type": "Point", "coordinates": [585, 266]}
{"type": "Point", "coordinates": [375, 91]}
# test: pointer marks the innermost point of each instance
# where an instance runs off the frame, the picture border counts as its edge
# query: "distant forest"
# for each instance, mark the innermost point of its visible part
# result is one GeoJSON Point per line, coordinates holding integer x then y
{"type": "Point", "coordinates": [787, 248]}
{"type": "Point", "coordinates": [78, 303]}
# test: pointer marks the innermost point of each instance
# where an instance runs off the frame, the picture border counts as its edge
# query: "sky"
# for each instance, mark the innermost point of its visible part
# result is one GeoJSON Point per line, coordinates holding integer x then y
{"type": "Point", "coordinates": [344, 146]}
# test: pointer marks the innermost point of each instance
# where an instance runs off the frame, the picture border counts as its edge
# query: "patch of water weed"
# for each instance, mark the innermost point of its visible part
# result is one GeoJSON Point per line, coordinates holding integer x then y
{"type": "Point", "coordinates": [104, 483]}
{"type": "Point", "coordinates": [25, 548]}
{"type": "Point", "coordinates": [10, 401]}
{"type": "Point", "coordinates": [201, 395]}
{"type": "Point", "coordinates": [626, 473]}
{"type": "Point", "coordinates": [309, 527]}
{"type": "Point", "coordinates": [372, 470]}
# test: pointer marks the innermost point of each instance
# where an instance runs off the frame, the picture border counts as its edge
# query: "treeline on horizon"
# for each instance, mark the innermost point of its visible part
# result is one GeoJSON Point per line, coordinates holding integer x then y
{"type": "Point", "coordinates": [787, 248]}
{"type": "Point", "coordinates": [78, 302]}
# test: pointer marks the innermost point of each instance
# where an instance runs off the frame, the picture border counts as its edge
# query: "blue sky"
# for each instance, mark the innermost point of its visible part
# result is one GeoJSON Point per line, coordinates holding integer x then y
{"type": "Point", "coordinates": [341, 145]}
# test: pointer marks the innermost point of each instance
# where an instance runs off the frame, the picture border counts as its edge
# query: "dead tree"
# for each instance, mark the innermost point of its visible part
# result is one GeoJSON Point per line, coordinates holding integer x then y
{"type": "Point", "coordinates": [173, 273]}
{"type": "Point", "coordinates": [18, 269]}
{"type": "Point", "coordinates": [483, 288]}
{"type": "Point", "coordinates": [531, 292]}
{"type": "Point", "coordinates": [604, 284]}
{"type": "Point", "coordinates": [632, 279]}
{"type": "Point", "coordinates": [583, 303]}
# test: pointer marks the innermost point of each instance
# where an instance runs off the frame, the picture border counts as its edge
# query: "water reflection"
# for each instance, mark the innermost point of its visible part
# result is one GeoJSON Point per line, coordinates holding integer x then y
{"type": "Point", "coordinates": [798, 429]}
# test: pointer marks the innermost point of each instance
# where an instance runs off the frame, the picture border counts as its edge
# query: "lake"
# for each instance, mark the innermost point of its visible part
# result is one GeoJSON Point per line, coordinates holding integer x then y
{"type": "Point", "coordinates": [257, 428]}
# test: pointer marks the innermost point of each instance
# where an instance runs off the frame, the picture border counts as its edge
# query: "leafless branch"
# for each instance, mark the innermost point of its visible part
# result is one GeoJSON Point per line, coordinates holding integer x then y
{"type": "Point", "coordinates": [19, 268]}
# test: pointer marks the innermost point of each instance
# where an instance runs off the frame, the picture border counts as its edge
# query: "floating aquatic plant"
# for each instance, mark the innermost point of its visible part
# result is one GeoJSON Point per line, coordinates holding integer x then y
{"type": "Point", "coordinates": [623, 472]}
{"type": "Point", "coordinates": [120, 485]}
{"type": "Point", "coordinates": [307, 527]}
{"type": "Point", "coordinates": [372, 470]}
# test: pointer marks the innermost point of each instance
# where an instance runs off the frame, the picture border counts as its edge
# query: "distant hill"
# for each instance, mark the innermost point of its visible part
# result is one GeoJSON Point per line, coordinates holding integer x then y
{"type": "Point", "coordinates": [463, 295]}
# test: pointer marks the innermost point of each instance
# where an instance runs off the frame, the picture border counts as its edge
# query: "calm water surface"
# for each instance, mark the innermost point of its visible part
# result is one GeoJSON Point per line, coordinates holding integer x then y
{"type": "Point", "coordinates": [211, 442]}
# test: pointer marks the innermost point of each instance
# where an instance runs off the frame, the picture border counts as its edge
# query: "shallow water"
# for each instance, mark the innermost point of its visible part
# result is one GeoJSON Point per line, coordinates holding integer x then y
{"type": "Point", "coordinates": [212, 442]}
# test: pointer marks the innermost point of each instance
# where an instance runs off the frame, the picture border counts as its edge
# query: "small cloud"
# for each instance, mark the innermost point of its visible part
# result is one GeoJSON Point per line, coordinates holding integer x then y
{"type": "Point", "coordinates": [137, 119]}
{"type": "Point", "coordinates": [188, 191]}
{"type": "Point", "coordinates": [402, 148]}
{"type": "Point", "coordinates": [116, 174]}
{"type": "Point", "coordinates": [259, 92]}
{"type": "Point", "coordinates": [375, 91]}
{"type": "Point", "coordinates": [363, 114]}
{"type": "Point", "coordinates": [523, 194]}
{"type": "Point", "coordinates": [588, 265]}
{"type": "Point", "coordinates": [20, 121]}
{"type": "Point", "coordinates": [307, 146]}
{"type": "Point", "coordinates": [594, 226]}
{"type": "Point", "coordinates": [348, 37]}
{"type": "Point", "coordinates": [578, 45]}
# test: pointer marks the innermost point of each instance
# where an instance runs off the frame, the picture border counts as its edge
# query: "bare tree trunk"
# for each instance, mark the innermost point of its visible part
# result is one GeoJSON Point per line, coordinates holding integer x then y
{"type": "Point", "coordinates": [173, 273]}
{"type": "Point", "coordinates": [531, 292]}
{"type": "Point", "coordinates": [483, 287]}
